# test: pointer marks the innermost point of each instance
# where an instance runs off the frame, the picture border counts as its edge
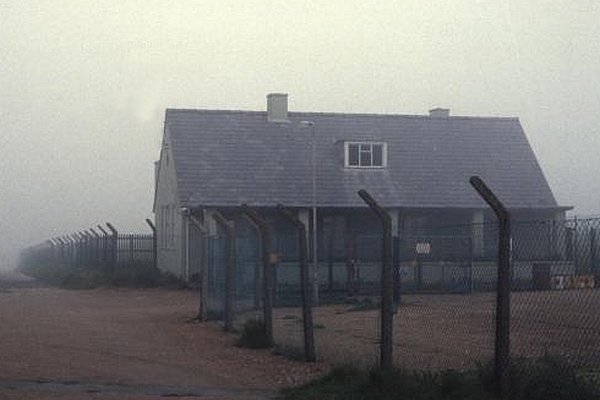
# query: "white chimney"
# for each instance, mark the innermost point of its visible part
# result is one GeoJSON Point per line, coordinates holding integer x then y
{"type": "Point", "coordinates": [277, 107]}
{"type": "Point", "coordinates": [439, 112]}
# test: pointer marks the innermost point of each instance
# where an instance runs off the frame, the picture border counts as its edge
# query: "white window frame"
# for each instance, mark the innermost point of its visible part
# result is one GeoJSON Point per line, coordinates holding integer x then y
{"type": "Point", "coordinates": [365, 143]}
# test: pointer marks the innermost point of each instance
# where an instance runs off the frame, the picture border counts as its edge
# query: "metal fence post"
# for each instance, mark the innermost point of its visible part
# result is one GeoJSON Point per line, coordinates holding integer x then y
{"type": "Point", "coordinates": [72, 250]}
{"type": "Point", "coordinates": [228, 226]}
{"type": "Point", "coordinates": [257, 283]}
{"type": "Point", "coordinates": [502, 343]}
{"type": "Point", "coordinates": [97, 238]}
{"type": "Point", "coordinates": [397, 274]}
{"type": "Point", "coordinates": [264, 233]}
{"type": "Point", "coordinates": [114, 246]}
{"type": "Point", "coordinates": [307, 318]}
{"type": "Point", "coordinates": [595, 269]}
{"type": "Point", "coordinates": [203, 275]}
{"type": "Point", "coordinates": [387, 284]}
{"type": "Point", "coordinates": [154, 242]}
{"type": "Point", "coordinates": [105, 248]}
{"type": "Point", "coordinates": [78, 249]}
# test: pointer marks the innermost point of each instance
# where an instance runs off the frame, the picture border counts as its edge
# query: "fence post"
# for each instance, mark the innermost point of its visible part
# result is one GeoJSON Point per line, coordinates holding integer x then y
{"type": "Point", "coordinates": [84, 249]}
{"type": "Point", "coordinates": [397, 274]}
{"type": "Point", "coordinates": [53, 250]}
{"type": "Point", "coordinates": [67, 250]}
{"type": "Point", "coordinates": [264, 233]}
{"type": "Point", "coordinates": [72, 249]}
{"type": "Point", "coordinates": [257, 283]}
{"type": "Point", "coordinates": [309, 336]}
{"type": "Point", "coordinates": [61, 249]}
{"type": "Point", "coordinates": [594, 253]}
{"type": "Point", "coordinates": [502, 343]}
{"type": "Point", "coordinates": [105, 254]}
{"type": "Point", "coordinates": [97, 238]}
{"type": "Point", "coordinates": [387, 284]}
{"type": "Point", "coordinates": [79, 249]}
{"type": "Point", "coordinates": [114, 245]}
{"type": "Point", "coordinates": [228, 226]}
{"type": "Point", "coordinates": [203, 276]}
{"type": "Point", "coordinates": [154, 242]}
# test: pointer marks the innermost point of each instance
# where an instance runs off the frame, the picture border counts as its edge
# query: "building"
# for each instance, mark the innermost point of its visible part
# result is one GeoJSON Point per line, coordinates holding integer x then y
{"type": "Point", "coordinates": [417, 166]}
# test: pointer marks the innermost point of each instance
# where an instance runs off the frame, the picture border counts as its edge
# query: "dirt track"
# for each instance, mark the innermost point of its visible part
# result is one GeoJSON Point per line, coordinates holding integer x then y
{"type": "Point", "coordinates": [136, 344]}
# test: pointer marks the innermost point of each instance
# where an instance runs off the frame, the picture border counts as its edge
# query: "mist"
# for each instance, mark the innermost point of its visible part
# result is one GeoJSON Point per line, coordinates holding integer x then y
{"type": "Point", "coordinates": [84, 86]}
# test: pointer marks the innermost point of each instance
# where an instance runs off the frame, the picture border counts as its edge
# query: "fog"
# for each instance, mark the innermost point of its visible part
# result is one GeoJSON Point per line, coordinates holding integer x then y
{"type": "Point", "coordinates": [84, 86]}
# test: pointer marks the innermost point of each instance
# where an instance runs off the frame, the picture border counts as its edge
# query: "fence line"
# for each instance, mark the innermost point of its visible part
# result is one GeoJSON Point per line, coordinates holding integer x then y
{"type": "Point", "coordinates": [88, 249]}
{"type": "Point", "coordinates": [446, 315]}
{"type": "Point", "coordinates": [553, 279]}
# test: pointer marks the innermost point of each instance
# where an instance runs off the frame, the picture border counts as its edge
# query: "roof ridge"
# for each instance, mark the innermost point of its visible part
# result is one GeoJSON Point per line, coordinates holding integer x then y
{"type": "Point", "coordinates": [342, 114]}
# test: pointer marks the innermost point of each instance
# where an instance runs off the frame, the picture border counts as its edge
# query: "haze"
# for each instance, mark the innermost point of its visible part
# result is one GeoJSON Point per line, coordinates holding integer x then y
{"type": "Point", "coordinates": [84, 85]}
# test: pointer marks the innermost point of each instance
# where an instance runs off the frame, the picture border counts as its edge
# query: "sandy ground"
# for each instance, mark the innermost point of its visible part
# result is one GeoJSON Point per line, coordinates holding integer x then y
{"type": "Point", "coordinates": [139, 344]}
{"type": "Point", "coordinates": [131, 344]}
{"type": "Point", "coordinates": [434, 332]}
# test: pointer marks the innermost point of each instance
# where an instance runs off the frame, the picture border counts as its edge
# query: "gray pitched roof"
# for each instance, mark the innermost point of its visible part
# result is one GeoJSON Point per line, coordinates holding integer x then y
{"type": "Point", "coordinates": [224, 158]}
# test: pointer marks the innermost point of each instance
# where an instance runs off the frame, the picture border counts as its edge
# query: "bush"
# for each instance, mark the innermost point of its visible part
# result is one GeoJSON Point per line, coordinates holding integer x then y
{"type": "Point", "coordinates": [254, 335]}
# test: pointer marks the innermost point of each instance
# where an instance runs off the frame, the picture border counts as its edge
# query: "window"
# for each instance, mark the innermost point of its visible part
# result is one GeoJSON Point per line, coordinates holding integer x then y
{"type": "Point", "coordinates": [365, 154]}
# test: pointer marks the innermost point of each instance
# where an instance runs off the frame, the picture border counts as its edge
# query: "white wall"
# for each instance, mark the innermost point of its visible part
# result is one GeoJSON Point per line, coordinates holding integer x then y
{"type": "Point", "coordinates": [168, 217]}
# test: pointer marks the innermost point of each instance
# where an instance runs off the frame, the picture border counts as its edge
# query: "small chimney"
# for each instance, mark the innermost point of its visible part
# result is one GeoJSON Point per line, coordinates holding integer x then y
{"type": "Point", "coordinates": [277, 107]}
{"type": "Point", "coordinates": [439, 112]}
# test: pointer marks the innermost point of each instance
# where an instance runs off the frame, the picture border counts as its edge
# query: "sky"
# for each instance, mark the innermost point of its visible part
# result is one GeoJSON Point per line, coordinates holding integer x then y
{"type": "Point", "coordinates": [84, 86]}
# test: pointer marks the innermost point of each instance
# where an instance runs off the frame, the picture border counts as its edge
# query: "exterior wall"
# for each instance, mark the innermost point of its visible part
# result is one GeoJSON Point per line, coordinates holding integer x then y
{"type": "Point", "coordinates": [168, 219]}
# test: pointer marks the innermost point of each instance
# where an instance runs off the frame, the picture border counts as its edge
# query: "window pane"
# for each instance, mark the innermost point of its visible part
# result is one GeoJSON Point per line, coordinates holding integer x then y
{"type": "Point", "coordinates": [377, 155]}
{"type": "Point", "coordinates": [365, 158]}
{"type": "Point", "coordinates": [353, 154]}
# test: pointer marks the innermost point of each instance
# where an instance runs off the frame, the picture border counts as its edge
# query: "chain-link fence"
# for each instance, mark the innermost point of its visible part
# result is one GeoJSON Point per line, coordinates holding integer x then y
{"type": "Point", "coordinates": [446, 314]}
{"type": "Point", "coordinates": [445, 282]}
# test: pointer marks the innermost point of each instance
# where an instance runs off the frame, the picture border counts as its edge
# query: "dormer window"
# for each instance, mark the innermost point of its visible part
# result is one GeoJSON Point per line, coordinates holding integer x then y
{"type": "Point", "coordinates": [365, 154]}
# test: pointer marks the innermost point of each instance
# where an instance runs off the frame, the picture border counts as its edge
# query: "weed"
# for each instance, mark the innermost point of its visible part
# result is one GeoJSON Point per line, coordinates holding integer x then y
{"type": "Point", "coordinates": [254, 335]}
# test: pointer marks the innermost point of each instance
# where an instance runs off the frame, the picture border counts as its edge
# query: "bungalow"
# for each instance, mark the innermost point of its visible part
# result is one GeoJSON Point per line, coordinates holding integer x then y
{"type": "Point", "coordinates": [417, 166]}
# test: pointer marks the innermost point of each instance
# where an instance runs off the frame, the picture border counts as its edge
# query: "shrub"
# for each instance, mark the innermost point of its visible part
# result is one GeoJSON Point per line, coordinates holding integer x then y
{"type": "Point", "coordinates": [254, 335]}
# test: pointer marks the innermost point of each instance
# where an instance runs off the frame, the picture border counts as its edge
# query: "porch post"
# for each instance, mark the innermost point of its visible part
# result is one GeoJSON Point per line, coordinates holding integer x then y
{"type": "Point", "coordinates": [395, 215]}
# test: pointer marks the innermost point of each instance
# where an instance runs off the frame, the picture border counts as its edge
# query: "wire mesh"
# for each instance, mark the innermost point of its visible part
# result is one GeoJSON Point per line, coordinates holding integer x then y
{"type": "Point", "coordinates": [447, 278]}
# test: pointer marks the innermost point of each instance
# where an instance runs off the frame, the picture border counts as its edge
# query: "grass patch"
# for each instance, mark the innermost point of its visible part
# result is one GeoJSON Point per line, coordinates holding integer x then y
{"type": "Point", "coordinates": [253, 335]}
{"type": "Point", "coordinates": [540, 379]}
{"type": "Point", "coordinates": [133, 274]}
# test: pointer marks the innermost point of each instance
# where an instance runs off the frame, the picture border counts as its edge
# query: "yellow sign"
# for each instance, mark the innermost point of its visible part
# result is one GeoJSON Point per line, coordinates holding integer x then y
{"type": "Point", "coordinates": [563, 282]}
